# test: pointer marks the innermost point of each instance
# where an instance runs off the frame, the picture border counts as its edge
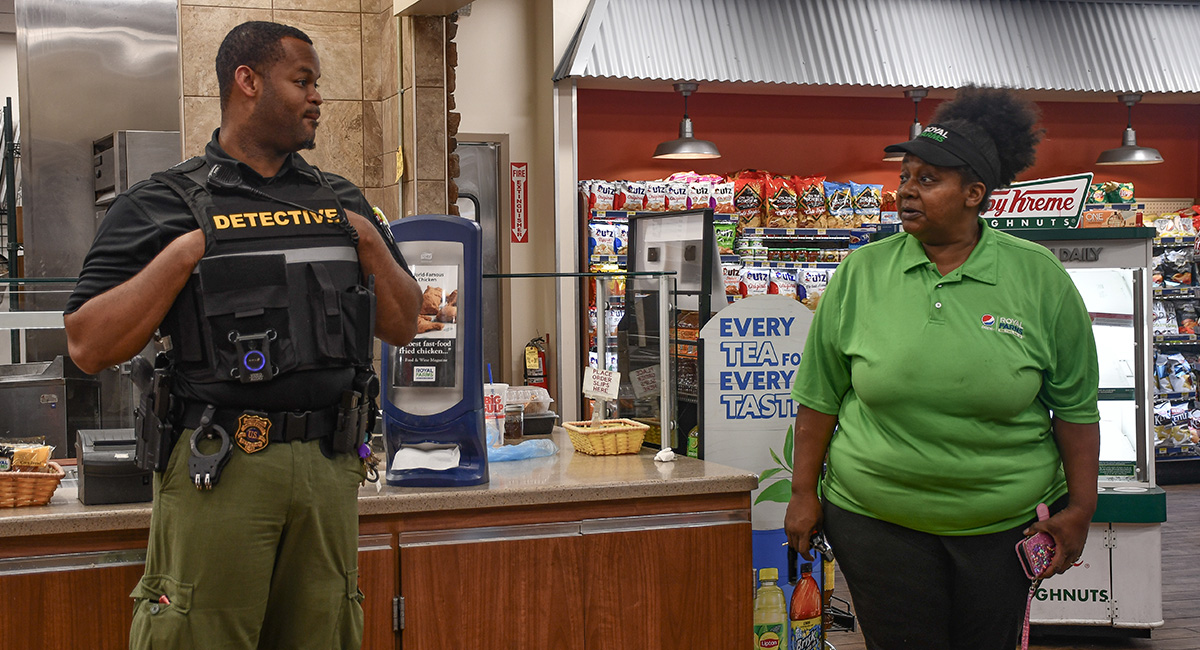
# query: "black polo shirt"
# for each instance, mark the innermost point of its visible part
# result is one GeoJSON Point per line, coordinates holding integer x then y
{"type": "Point", "coordinates": [146, 218]}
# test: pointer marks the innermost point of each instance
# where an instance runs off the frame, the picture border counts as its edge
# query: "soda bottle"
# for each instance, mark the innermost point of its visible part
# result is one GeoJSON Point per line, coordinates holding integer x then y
{"type": "Point", "coordinates": [805, 613]}
{"type": "Point", "coordinates": [770, 612]}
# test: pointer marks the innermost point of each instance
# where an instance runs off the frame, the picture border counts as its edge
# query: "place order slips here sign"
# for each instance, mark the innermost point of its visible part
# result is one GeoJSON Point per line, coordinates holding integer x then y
{"type": "Point", "coordinates": [752, 349]}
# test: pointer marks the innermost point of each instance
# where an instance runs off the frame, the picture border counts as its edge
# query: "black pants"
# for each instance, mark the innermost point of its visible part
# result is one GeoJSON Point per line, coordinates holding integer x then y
{"type": "Point", "coordinates": [933, 592]}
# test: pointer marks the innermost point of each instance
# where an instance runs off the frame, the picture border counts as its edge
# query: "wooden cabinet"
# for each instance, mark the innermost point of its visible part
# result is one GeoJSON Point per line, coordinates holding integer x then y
{"type": "Point", "coordinates": [664, 580]}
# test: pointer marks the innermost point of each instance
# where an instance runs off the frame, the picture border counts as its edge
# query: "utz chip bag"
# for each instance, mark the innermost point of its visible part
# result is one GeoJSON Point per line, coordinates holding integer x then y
{"type": "Point", "coordinates": [677, 196]}
{"type": "Point", "coordinates": [621, 241]}
{"type": "Point", "coordinates": [602, 239]}
{"type": "Point", "coordinates": [656, 196]}
{"type": "Point", "coordinates": [748, 201]}
{"type": "Point", "coordinates": [635, 196]}
{"type": "Point", "coordinates": [723, 198]}
{"type": "Point", "coordinates": [865, 200]}
{"type": "Point", "coordinates": [783, 283]}
{"type": "Point", "coordinates": [699, 194]}
{"type": "Point", "coordinates": [781, 203]}
{"type": "Point", "coordinates": [732, 274]}
{"type": "Point", "coordinates": [754, 281]}
{"type": "Point", "coordinates": [810, 201]}
{"type": "Point", "coordinates": [603, 196]}
{"type": "Point", "coordinates": [810, 284]}
{"type": "Point", "coordinates": [840, 204]}
{"type": "Point", "coordinates": [726, 236]}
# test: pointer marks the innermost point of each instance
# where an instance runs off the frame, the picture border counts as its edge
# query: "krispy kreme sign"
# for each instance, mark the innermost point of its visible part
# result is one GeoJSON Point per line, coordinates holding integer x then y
{"type": "Point", "coordinates": [1045, 203]}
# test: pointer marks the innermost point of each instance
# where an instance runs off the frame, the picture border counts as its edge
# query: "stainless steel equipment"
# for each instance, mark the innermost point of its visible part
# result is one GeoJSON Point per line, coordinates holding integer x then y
{"type": "Point", "coordinates": [125, 158]}
{"type": "Point", "coordinates": [48, 398]}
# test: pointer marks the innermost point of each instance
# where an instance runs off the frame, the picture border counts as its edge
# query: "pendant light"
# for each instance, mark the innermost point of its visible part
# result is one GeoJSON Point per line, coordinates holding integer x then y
{"type": "Point", "coordinates": [916, 95]}
{"type": "Point", "coordinates": [1129, 153]}
{"type": "Point", "coordinates": [686, 147]}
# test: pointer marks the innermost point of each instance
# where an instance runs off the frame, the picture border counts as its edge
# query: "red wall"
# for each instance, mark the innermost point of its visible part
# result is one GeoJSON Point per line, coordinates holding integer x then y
{"type": "Point", "coordinates": [843, 138]}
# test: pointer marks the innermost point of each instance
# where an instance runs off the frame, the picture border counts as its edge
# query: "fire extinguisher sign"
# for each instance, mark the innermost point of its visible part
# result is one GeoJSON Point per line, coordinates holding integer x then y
{"type": "Point", "coordinates": [519, 191]}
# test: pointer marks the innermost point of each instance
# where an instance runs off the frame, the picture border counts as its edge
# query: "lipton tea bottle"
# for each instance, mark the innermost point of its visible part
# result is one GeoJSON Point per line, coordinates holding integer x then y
{"type": "Point", "coordinates": [770, 612]}
{"type": "Point", "coordinates": [826, 590]}
{"type": "Point", "coordinates": [805, 612]}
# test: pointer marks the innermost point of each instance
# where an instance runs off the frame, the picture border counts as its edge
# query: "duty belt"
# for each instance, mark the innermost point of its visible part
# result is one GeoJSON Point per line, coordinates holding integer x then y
{"type": "Point", "coordinates": [286, 426]}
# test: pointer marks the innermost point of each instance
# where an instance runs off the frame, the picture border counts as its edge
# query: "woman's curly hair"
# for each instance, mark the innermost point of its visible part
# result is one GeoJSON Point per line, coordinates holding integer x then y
{"type": "Point", "coordinates": [999, 114]}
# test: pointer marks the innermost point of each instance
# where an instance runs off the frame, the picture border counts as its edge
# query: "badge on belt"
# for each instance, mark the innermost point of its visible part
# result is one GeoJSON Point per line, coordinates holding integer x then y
{"type": "Point", "coordinates": [252, 432]}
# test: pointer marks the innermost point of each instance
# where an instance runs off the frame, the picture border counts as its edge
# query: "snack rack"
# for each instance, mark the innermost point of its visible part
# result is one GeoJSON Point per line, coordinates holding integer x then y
{"type": "Point", "coordinates": [1177, 454]}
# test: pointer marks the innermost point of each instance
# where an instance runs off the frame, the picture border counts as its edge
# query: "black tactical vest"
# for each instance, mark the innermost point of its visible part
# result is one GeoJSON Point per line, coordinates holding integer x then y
{"type": "Point", "coordinates": [278, 289]}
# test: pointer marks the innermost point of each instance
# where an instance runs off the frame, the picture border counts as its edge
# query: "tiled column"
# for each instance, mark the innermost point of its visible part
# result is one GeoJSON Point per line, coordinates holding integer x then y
{"type": "Point", "coordinates": [424, 137]}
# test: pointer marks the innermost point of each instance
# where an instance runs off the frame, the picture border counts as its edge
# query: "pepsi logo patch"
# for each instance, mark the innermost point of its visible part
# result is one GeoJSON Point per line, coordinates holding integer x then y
{"type": "Point", "coordinates": [988, 321]}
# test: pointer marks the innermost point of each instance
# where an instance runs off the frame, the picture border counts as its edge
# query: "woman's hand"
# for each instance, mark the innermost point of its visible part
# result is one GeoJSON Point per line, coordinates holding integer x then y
{"type": "Point", "coordinates": [1069, 528]}
{"type": "Point", "coordinates": [803, 518]}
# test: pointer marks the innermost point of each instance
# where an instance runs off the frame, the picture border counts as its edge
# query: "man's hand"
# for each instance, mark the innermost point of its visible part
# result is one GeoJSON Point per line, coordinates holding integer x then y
{"type": "Point", "coordinates": [114, 326]}
{"type": "Point", "coordinates": [803, 518]}
{"type": "Point", "coordinates": [397, 295]}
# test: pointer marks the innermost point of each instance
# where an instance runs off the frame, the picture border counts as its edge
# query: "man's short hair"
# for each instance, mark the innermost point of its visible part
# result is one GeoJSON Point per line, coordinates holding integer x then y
{"type": "Point", "coordinates": [256, 44]}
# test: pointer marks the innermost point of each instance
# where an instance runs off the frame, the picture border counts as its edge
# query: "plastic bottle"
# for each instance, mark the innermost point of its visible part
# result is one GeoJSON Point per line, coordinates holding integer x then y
{"type": "Point", "coordinates": [805, 612]}
{"type": "Point", "coordinates": [826, 591]}
{"type": "Point", "coordinates": [770, 612]}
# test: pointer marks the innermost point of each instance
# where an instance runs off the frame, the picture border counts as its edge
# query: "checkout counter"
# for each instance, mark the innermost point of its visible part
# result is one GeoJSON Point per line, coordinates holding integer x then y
{"type": "Point", "coordinates": [562, 551]}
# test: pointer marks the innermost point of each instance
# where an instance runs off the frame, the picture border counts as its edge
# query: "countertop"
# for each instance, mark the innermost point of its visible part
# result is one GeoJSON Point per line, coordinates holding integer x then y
{"type": "Point", "coordinates": [563, 478]}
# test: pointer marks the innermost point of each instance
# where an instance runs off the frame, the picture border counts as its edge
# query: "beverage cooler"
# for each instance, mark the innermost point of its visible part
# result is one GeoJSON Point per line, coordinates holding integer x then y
{"type": "Point", "coordinates": [1119, 581]}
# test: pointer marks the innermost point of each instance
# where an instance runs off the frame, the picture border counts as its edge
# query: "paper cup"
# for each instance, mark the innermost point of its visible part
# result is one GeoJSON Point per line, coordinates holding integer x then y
{"type": "Point", "coordinates": [493, 410]}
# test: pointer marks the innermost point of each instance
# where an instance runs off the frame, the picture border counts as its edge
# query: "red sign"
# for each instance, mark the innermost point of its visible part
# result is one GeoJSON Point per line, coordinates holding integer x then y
{"type": "Point", "coordinates": [519, 191]}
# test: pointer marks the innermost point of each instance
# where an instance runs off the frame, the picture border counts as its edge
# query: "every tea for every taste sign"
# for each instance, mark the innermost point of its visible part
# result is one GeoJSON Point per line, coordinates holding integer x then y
{"type": "Point", "coordinates": [751, 351]}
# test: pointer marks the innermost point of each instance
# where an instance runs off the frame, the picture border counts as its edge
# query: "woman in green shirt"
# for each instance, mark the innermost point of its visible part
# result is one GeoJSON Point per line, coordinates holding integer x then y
{"type": "Point", "coordinates": [958, 366]}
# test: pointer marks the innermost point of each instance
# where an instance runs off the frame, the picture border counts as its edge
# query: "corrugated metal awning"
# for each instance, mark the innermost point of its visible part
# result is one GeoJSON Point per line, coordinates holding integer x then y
{"type": "Point", "coordinates": [1054, 45]}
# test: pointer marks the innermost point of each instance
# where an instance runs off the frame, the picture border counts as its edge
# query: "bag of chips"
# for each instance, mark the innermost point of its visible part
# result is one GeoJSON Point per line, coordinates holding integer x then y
{"type": "Point", "coordinates": [723, 198]}
{"type": "Point", "coordinates": [602, 238]}
{"type": "Point", "coordinates": [811, 284]}
{"type": "Point", "coordinates": [634, 196]}
{"type": "Point", "coordinates": [1176, 267]}
{"type": "Point", "coordinates": [839, 203]}
{"type": "Point", "coordinates": [781, 203]}
{"type": "Point", "coordinates": [656, 196]}
{"type": "Point", "coordinates": [1164, 318]}
{"type": "Point", "coordinates": [810, 201]}
{"type": "Point", "coordinates": [677, 195]}
{"type": "Point", "coordinates": [1185, 315]}
{"type": "Point", "coordinates": [748, 201]}
{"type": "Point", "coordinates": [783, 283]}
{"type": "Point", "coordinates": [603, 196]}
{"type": "Point", "coordinates": [699, 195]}
{"type": "Point", "coordinates": [754, 281]}
{"type": "Point", "coordinates": [725, 233]}
{"type": "Point", "coordinates": [732, 274]}
{"type": "Point", "coordinates": [865, 200]}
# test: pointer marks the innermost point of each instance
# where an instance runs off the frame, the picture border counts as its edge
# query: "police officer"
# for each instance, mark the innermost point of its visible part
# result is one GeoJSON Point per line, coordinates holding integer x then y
{"type": "Point", "coordinates": [265, 284]}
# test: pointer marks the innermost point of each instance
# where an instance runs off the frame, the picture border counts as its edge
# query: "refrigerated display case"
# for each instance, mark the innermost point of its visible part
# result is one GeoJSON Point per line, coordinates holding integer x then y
{"type": "Point", "coordinates": [1118, 583]}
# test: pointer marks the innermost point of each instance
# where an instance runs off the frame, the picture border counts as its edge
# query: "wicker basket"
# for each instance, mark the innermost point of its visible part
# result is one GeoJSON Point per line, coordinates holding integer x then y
{"type": "Point", "coordinates": [29, 488]}
{"type": "Point", "coordinates": [606, 437]}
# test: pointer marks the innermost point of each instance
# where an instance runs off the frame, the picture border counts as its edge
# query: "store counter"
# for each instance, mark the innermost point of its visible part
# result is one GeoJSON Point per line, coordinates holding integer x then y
{"type": "Point", "coordinates": [564, 551]}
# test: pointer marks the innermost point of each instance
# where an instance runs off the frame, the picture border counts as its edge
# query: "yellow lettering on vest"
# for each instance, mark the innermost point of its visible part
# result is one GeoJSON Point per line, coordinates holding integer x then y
{"type": "Point", "coordinates": [331, 215]}
{"type": "Point", "coordinates": [318, 216]}
{"type": "Point", "coordinates": [281, 218]}
{"type": "Point", "coordinates": [252, 217]}
{"type": "Point", "coordinates": [265, 219]}
{"type": "Point", "coordinates": [220, 221]}
{"type": "Point", "coordinates": [294, 214]}
{"type": "Point", "coordinates": [237, 221]}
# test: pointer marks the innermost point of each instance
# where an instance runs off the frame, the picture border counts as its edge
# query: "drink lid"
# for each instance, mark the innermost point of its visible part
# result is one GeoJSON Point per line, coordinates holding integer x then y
{"type": "Point", "coordinates": [806, 568]}
{"type": "Point", "coordinates": [768, 574]}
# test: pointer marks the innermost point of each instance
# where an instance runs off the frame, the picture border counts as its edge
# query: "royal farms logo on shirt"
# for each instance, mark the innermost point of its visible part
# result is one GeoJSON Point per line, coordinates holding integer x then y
{"type": "Point", "coordinates": [1003, 324]}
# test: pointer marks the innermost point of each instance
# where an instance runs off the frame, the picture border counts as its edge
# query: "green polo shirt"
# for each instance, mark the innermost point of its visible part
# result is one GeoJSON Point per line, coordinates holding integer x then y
{"type": "Point", "coordinates": [944, 386]}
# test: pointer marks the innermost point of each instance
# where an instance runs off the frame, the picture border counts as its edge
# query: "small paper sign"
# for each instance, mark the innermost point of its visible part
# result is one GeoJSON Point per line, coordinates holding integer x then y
{"type": "Point", "coordinates": [645, 382]}
{"type": "Point", "coordinates": [601, 384]}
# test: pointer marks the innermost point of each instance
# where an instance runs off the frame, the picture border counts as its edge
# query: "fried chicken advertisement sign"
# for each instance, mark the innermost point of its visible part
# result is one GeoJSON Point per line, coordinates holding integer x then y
{"type": "Point", "coordinates": [429, 359]}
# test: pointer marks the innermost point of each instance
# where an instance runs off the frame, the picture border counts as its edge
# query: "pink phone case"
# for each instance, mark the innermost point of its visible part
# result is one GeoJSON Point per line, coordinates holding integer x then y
{"type": "Point", "coordinates": [1036, 552]}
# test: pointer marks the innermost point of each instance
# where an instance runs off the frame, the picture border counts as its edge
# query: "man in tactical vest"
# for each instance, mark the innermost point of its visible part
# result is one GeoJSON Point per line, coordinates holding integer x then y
{"type": "Point", "coordinates": [263, 286]}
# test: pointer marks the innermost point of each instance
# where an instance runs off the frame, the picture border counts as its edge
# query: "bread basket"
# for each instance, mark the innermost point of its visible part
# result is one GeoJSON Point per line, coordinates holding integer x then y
{"type": "Point", "coordinates": [29, 488]}
{"type": "Point", "coordinates": [606, 437]}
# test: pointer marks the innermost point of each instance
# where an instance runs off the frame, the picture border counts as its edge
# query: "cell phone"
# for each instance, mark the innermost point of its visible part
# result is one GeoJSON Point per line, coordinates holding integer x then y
{"type": "Point", "coordinates": [1036, 552]}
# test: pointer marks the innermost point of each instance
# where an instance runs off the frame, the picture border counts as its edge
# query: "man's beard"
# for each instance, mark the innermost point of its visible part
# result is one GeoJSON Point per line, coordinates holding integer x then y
{"type": "Point", "coordinates": [309, 144]}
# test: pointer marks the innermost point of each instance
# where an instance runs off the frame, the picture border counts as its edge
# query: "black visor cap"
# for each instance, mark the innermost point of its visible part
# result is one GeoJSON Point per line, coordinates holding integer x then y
{"type": "Point", "coordinates": [943, 147]}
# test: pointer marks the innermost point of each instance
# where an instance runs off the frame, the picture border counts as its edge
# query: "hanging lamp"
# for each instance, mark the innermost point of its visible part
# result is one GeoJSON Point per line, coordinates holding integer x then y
{"type": "Point", "coordinates": [1129, 153]}
{"type": "Point", "coordinates": [916, 95]}
{"type": "Point", "coordinates": [686, 147]}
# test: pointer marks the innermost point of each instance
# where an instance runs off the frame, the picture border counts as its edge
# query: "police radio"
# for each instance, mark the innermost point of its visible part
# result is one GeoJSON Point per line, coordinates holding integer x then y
{"type": "Point", "coordinates": [253, 356]}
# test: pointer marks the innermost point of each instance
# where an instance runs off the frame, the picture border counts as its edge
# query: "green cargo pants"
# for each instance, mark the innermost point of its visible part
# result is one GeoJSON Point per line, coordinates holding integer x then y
{"type": "Point", "coordinates": [266, 559]}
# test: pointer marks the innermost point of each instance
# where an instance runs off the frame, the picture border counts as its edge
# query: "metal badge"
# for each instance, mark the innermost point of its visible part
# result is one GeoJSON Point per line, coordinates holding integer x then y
{"type": "Point", "coordinates": [252, 432]}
